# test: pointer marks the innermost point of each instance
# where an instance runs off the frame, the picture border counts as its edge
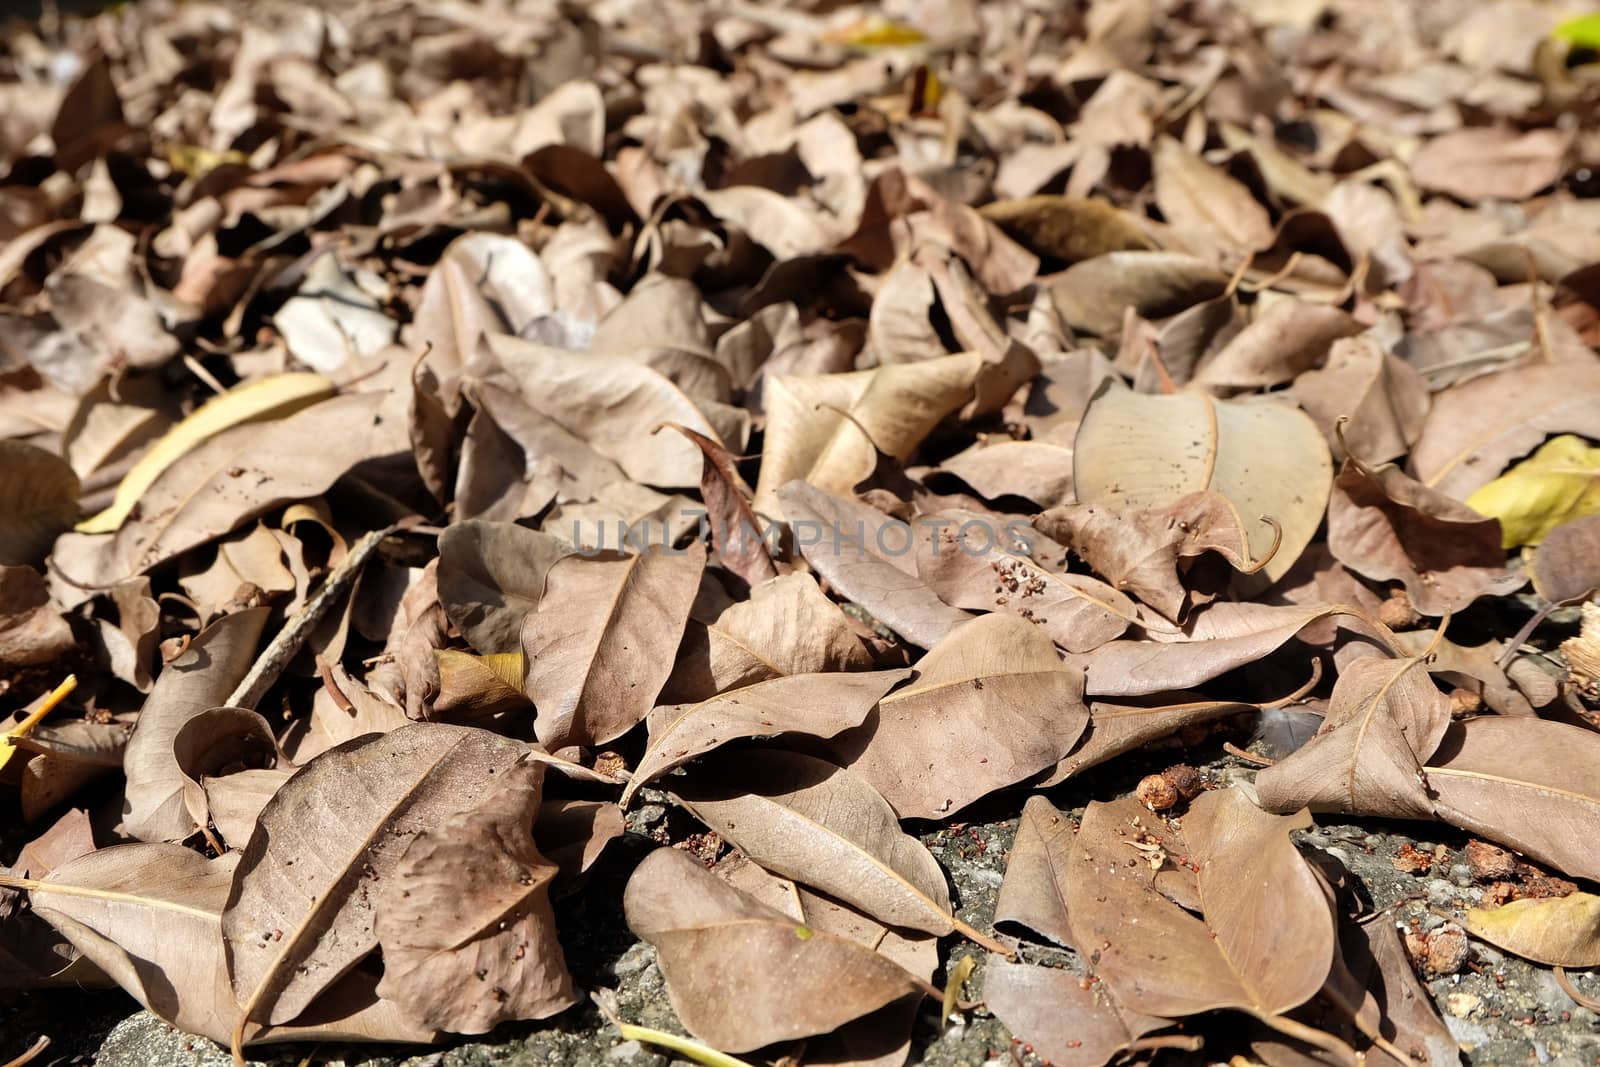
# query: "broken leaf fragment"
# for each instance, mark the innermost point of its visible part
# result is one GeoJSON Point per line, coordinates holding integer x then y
{"type": "Point", "coordinates": [1562, 931]}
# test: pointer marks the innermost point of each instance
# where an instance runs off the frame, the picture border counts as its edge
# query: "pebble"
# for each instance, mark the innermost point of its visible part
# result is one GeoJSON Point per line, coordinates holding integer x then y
{"type": "Point", "coordinates": [649, 814]}
{"type": "Point", "coordinates": [1462, 1004]}
{"type": "Point", "coordinates": [636, 959]}
{"type": "Point", "coordinates": [1441, 892]}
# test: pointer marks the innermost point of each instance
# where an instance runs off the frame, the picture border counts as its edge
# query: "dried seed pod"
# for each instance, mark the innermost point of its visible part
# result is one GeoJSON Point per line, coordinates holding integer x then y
{"type": "Point", "coordinates": [1185, 779]}
{"type": "Point", "coordinates": [1157, 793]}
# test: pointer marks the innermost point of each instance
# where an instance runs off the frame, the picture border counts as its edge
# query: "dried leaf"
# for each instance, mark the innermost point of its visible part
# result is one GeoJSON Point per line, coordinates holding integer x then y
{"type": "Point", "coordinates": [819, 705]}
{"type": "Point", "coordinates": [465, 924]}
{"type": "Point", "coordinates": [1139, 551]}
{"type": "Point", "coordinates": [600, 645]}
{"type": "Point", "coordinates": [1264, 942]}
{"type": "Point", "coordinates": [993, 696]}
{"type": "Point", "coordinates": [325, 844]}
{"type": "Point", "coordinates": [31, 632]}
{"type": "Point", "coordinates": [1386, 526]}
{"type": "Point", "coordinates": [820, 825]}
{"type": "Point", "coordinates": [1478, 427]}
{"type": "Point", "coordinates": [1491, 163]}
{"type": "Point", "coordinates": [1137, 451]}
{"type": "Point", "coordinates": [491, 575]}
{"type": "Point", "coordinates": [973, 562]}
{"type": "Point", "coordinates": [149, 915]}
{"type": "Point", "coordinates": [1524, 782]}
{"type": "Point", "coordinates": [263, 400]}
{"type": "Point", "coordinates": [1202, 203]}
{"type": "Point", "coordinates": [1069, 1022]}
{"type": "Point", "coordinates": [1563, 931]}
{"type": "Point", "coordinates": [791, 981]}
{"type": "Point", "coordinates": [38, 499]}
{"type": "Point", "coordinates": [1214, 641]}
{"type": "Point", "coordinates": [868, 557]}
{"type": "Point", "coordinates": [611, 403]}
{"type": "Point", "coordinates": [1033, 894]}
{"type": "Point", "coordinates": [786, 627]}
{"type": "Point", "coordinates": [735, 530]}
{"type": "Point", "coordinates": [1092, 295]}
{"type": "Point", "coordinates": [1564, 568]}
{"type": "Point", "coordinates": [1384, 720]}
{"type": "Point", "coordinates": [215, 661]}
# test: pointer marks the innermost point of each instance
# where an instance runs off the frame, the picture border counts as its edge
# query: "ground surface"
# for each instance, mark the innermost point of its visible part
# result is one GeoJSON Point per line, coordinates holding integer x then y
{"type": "Point", "coordinates": [1504, 1011]}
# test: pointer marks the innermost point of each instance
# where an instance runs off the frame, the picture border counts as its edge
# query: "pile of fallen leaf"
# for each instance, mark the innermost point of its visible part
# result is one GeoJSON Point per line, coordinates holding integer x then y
{"type": "Point", "coordinates": [425, 425]}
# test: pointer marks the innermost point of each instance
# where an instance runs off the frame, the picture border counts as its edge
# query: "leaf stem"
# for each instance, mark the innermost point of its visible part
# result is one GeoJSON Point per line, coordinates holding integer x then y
{"type": "Point", "coordinates": [1572, 991]}
{"type": "Point", "coordinates": [977, 937]}
{"type": "Point", "coordinates": [1310, 1035]}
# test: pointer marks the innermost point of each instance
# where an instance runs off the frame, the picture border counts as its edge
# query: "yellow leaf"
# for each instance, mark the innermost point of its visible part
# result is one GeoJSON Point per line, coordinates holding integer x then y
{"type": "Point", "coordinates": [877, 33]}
{"type": "Point", "coordinates": [1563, 931]}
{"type": "Point", "coordinates": [1583, 31]}
{"type": "Point", "coordinates": [196, 160]}
{"type": "Point", "coordinates": [46, 706]}
{"type": "Point", "coordinates": [952, 989]}
{"type": "Point", "coordinates": [474, 686]}
{"type": "Point", "coordinates": [267, 398]}
{"type": "Point", "coordinates": [1555, 485]}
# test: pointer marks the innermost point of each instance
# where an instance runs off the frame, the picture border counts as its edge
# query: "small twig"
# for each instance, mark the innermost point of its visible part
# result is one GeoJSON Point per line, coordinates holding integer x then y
{"type": "Point", "coordinates": [1579, 998]}
{"type": "Point", "coordinates": [276, 656]}
{"type": "Point", "coordinates": [1509, 653]}
{"type": "Point", "coordinates": [340, 701]}
{"type": "Point", "coordinates": [1249, 757]}
{"type": "Point", "coordinates": [198, 369]}
{"type": "Point", "coordinates": [1183, 1042]}
{"type": "Point", "coordinates": [32, 1053]}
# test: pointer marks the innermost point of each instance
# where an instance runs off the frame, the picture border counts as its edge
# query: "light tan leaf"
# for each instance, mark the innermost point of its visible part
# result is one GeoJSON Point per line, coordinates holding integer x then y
{"type": "Point", "coordinates": [791, 981]}
{"type": "Point", "coordinates": [1093, 295]}
{"type": "Point", "coordinates": [820, 825]}
{"type": "Point", "coordinates": [1264, 940]}
{"type": "Point", "coordinates": [1384, 720]}
{"type": "Point", "coordinates": [1269, 460]}
{"type": "Point", "coordinates": [1563, 931]}
{"type": "Point", "coordinates": [491, 575]}
{"type": "Point", "coordinates": [1477, 428]}
{"type": "Point", "coordinates": [149, 915]}
{"type": "Point", "coordinates": [818, 705]}
{"type": "Point", "coordinates": [200, 679]}
{"type": "Point", "coordinates": [600, 645]}
{"type": "Point", "coordinates": [788, 626]}
{"type": "Point", "coordinates": [1205, 204]}
{"type": "Point", "coordinates": [868, 557]}
{"type": "Point", "coordinates": [611, 403]}
{"type": "Point", "coordinates": [992, 698]}
{"type": "Point", "coordinates": [973, 562]}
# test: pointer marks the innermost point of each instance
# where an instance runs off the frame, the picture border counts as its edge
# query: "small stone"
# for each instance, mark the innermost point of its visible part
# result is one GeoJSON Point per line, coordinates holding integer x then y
{"type": "Point", "coordinates": [1438, 952]}
{"type": "Point", "coordinates": [1488, 863]}
{"type": "Point", "coordinates": [1448, 950]}
{"type": "Point", "coordinates": [1462, 1004]}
